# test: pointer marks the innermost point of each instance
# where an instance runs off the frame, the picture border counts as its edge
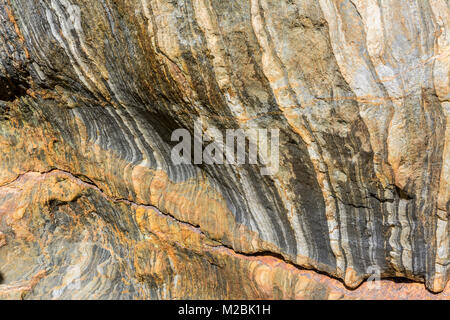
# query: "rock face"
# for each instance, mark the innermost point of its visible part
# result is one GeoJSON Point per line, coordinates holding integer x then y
{"type": "Point", "coordinates": [92, 205]}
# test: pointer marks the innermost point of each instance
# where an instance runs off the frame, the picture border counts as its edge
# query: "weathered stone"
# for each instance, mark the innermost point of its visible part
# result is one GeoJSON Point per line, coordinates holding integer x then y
{"type": "Point", "coordinates": [92, 205]}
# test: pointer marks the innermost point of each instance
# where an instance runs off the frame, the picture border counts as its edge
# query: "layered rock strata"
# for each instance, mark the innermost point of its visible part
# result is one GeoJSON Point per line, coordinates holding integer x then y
{"type": "Point", "coordinates": [92, 205]}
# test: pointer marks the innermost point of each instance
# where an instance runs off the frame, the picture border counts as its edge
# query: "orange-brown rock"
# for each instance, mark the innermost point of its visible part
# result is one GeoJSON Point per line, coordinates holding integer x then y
{"type": "Point", "coordinates": [93, 206]}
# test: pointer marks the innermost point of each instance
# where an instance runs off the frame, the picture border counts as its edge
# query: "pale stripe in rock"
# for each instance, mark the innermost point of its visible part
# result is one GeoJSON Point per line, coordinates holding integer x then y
{"type": "Point", "coordinates": [279, 82]}
{"type": "Point", "coordinates": [405, 232]}
{"type": "Point", "coordinates": [71, 47]}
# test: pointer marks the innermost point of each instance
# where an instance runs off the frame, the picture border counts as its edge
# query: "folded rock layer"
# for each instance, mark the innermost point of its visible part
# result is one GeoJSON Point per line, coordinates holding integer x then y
{"type": "Point", "coordinates": [93, 206]}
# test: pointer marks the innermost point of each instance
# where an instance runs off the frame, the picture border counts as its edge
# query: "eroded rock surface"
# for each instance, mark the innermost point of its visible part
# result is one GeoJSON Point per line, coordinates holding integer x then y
{"type": "Point", "coordinates": [92, 205]}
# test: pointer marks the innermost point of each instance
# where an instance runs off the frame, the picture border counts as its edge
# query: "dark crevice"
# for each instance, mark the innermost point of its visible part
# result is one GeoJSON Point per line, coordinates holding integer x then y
{"type": "Point", "coordinates": [402, 194]}
{"type": "Point", "coordinates": [11, 89]}
{"type": "Point", "coordinates": [400, 280]}
{"type": "Point", "coordinates": [403, 280]}
{"type": "Point", "coordinates": [382, 200]}
{"type": "Point", "coordinates": [278, 256]}
{"type": "Point", "coordinates": [259, 254]}
{"type": "Point", "coordinates": [220, 244]}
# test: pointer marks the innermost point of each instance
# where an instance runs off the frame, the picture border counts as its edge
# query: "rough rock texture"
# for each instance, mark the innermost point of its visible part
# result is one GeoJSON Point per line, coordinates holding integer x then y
{"type": "Point", "coordinates": [91, 205]}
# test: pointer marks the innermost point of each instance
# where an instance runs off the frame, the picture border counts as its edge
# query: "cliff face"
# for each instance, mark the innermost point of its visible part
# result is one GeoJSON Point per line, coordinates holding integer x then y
{"type": "Point", "coordinates": [92, 205]}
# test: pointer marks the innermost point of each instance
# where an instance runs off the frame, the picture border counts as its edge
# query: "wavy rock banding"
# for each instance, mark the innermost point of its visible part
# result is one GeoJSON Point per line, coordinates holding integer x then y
{"type": "Point", "coordinates": [92, 205]}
